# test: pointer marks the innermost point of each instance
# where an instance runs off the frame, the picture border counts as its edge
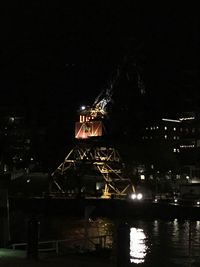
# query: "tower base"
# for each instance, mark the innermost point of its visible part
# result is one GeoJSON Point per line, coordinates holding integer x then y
{"type": "Point", "coordinates": [90, 170]}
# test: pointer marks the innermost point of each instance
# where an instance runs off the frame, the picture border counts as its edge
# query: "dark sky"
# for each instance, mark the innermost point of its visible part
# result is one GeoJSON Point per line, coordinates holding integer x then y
{"type": "Point", "coordinates": [55, 57]}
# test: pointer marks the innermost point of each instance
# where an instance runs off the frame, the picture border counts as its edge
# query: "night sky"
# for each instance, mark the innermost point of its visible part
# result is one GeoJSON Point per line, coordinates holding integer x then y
{"type": "Point", "coordinates": [57, 57]}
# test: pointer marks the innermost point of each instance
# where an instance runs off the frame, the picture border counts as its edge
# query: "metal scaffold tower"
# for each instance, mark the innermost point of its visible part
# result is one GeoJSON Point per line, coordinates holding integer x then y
{"type": "Point", "coordinates": [89, 162]}
{"type": "Point", "coordinates": [105, 161]}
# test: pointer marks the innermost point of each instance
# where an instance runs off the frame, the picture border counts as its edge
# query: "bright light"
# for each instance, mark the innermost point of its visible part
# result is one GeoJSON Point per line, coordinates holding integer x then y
{"type": "Point", "coordinates": [138, 247]}
{"type": "Point", "coordinates": [28, 180]}
{"type": "Point", "coordinates": [186, 146]}
{"type": "Point", "coordinates": [11, 119]}
{"type": "Point", "coordinates": [142, 177]}
{"type": "Point", "coordinates": [136, 196]}
{"type": "Point", "coordinates": [187, 119]}
{"type": "Point", "coordinates": [82, 107]}
{"type": "Point", "coordinates": [133, 196]}
{"type": "Point", "coordinates": [198, 202]}
{"type": "Point", "coordinates": [139, 196]}
{"type": "Point", "coordinates": [175, 200]}
{"type": "Point", "coordinates": [98, 185]}
{"type": "Point", "coordinates": [155, 200]}
{"type": "Point", "coordinates": [170, 120]}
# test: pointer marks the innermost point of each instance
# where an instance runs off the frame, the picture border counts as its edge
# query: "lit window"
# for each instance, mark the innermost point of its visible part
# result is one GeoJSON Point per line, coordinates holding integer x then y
{"type": "Point", "coordinates": [186, 146]}
{"type": "Point", "coordinates": [174, 150]}
{"type": "Point", "coordinates": [165, 136]}
{"type": "Point", "coordinates": [174, 137]}
{"type": "Point", "coordinates": [157, 127]}
{"type": "Point", "coordinates": [11, 119]}
{"type": "Point", "coordinates": [165, 128]}
{"type": "Point", "coordinates": [151, 128]}
{"type": "Point", "coordinates": [142, 177]}
{"type": "Point", "coordinates": [174, 128]}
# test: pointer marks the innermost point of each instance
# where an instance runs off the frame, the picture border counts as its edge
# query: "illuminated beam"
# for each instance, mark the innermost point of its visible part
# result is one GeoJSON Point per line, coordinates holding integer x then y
{"type": "Point", "coordinates": [170, 120]}
{"type": "Point", "coordinates": [187, 119]}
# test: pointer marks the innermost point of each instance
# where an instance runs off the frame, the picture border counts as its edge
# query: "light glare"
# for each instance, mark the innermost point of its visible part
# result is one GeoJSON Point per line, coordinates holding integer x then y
{"type": "Point", "coordinates": [139, 196]}
{"type": "Point", "coordinates": [138, 248]}
{"type": "Point", "coordinates": [133, 196]}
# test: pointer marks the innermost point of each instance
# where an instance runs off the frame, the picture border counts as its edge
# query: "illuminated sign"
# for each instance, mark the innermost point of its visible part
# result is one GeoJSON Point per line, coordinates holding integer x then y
{"type": "Point", "coordinates": [84, 130]}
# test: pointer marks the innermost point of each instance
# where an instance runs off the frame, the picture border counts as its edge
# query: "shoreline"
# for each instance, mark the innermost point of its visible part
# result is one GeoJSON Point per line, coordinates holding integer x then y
{"type": "Point", "coordinates": [111, 208]}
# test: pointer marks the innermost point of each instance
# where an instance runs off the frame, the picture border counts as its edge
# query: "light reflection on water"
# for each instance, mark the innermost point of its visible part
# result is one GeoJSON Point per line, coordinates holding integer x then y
{"type": "Point", "coordinates": [178, 240]}
{"type": "Point", "coordinates": [153, 243]}
{"type": "Point", "coordinates": [138, 248]}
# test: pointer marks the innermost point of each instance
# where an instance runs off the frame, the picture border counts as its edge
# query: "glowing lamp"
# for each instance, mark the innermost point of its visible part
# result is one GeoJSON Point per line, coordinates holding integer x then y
{"type": "Point", "coordinates": [133, 196]}
{"type": "Point", "coordinates": [139, 196]}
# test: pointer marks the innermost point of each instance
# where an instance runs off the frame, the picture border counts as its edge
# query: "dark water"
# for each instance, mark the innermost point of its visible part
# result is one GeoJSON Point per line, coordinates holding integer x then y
{"type": "Point", "coordinates": [165, 243]}
{"type": "Point", "coordinates": [152, 242]}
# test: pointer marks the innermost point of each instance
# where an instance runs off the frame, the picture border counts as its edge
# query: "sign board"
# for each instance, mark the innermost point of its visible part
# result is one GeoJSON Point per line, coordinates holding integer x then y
{"type": "Point", "coordinates": [84, 130]}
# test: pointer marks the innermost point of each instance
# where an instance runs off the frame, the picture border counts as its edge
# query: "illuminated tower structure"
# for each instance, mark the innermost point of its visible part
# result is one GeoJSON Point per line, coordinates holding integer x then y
{"type": "Point", "coordinates": [102, 164]}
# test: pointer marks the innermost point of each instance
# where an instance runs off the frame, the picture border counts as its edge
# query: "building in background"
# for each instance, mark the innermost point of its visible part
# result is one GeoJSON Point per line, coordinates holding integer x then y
{"type": "Point", "coordinates": [173, 145]}
{"type": "Point", "coordinates": [18, 144]}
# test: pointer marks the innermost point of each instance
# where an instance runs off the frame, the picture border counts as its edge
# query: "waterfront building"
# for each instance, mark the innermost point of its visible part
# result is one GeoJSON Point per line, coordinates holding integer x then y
{"type": "Point", "coordinates": [177, 141]}
{"type": "Point", "coordinates": [18, 143]}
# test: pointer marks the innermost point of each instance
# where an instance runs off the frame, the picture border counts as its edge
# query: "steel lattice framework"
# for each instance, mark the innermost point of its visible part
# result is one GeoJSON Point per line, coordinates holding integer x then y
{"type": "Point", "coordinates": [87, 156]}
{"type": "Point", "coordinates": [105, 161]}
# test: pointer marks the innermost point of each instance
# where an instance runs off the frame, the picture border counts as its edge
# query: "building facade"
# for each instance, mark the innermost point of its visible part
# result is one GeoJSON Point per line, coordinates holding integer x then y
{"type": "Point", "coordinates": [175, 143]}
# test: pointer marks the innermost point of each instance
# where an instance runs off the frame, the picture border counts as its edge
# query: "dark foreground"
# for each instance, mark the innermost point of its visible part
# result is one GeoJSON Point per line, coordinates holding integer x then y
{"type": "Point", "coordinates": [154, 230]}
{"type": "Point", "coordinates": [9, 258]}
